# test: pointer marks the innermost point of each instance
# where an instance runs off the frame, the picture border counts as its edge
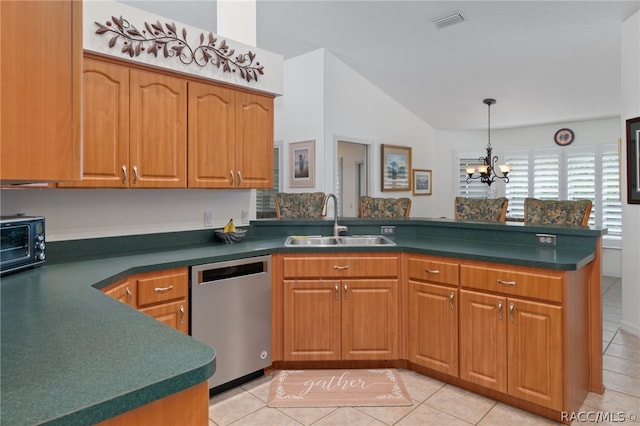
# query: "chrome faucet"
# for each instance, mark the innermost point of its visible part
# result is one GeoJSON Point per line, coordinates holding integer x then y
{"type": "Point", "coordinates": [337, 229]}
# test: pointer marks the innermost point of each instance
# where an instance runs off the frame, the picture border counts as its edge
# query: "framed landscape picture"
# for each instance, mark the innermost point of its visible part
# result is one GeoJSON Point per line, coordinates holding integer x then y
{"type": "Point", "coordinates": [421, 182]}
{"type": "Point", "coordinates": [633, 160]}
{"type": "Point", "coordinates": [302, 164]}
{"type": "Point", "coordinates": [396, 168]}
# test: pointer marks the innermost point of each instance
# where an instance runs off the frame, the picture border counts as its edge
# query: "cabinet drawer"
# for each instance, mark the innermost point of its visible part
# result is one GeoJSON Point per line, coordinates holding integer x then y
{"type": "Point", "coordinates": [339, 267]}
{"type": "Point", "coordinates": [435, 271]}
{"type": "Point", "coordinates": [511, 282]}
{"type": "Point", "coordinates": [159, 287]}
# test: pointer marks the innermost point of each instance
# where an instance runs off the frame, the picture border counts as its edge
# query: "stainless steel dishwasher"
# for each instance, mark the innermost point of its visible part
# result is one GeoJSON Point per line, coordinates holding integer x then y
{"type": "Point", "coordinates": [231, 311]}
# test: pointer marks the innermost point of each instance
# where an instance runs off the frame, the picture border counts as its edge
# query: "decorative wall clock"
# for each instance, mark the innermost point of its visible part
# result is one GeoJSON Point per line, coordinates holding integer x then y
{"type": "Point", "coordinates": [564, 137]}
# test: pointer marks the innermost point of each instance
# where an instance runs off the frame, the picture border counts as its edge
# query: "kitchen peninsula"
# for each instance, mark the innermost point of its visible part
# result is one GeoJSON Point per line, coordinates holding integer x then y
{"type": "Point", "coordinates": [70, 353]}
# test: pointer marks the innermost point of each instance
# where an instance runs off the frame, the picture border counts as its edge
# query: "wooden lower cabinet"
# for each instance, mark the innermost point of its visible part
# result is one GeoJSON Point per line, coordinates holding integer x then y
{"type": "Point", "coordinates": [512, 346]}
{"type": "Point", "coordinates": [163, 295]}
{"type": "Point", "coordinates": [187, 407]}
{"type": "Point", "coordinates": [339, 308]}
{"type": "Point", "coordinates": [341, 319]}
{"type": "Point", "coordinates": [433, 327]}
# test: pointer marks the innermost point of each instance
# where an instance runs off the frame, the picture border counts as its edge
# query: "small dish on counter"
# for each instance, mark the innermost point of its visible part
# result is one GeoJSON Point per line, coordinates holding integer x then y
{"type": "Point", "coordinates": [230, 237]}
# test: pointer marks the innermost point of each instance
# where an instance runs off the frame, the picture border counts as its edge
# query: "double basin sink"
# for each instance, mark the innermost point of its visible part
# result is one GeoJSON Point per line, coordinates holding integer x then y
{"type": "Point", "coordinates": [343, 240]}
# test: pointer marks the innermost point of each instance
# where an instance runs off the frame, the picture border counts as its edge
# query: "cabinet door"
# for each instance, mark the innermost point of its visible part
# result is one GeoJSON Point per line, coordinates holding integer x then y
{"type": "Point", "coordinates": [254, 141]}
{"type": "Point", "coordinates": [40, 60]}
{"type": "Point", "coordinates": [433, 327]}
{"type": "Point", "coordinates": [535, 352]}
{"type": "Point", "coordinates": [211, 137]}
{"type": "Point", "coordinates": [369, 319]}
{"type": "Point", "coordinates": [124, 291]}
{"type": "Point", "coordinates": [158, 130]}
{"type": "Point", "coordinates": [311, 320]}
{"type": "Point", "coordinates": [105, 126]}
{"type": "Point", "coordinates": [173, 314]}
{"type": "Point", "coordinates": [483, 340]}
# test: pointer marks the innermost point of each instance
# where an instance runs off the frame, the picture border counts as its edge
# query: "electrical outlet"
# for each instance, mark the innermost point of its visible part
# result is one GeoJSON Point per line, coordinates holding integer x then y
{"type": "Point", "coordinates": [387, 230]}
{"type": "Point", "coordinates": [245, 217]}
{"type": "Point", "coordinates": [208, 219]}
{"type": "Point", "coordinates": [546, 239]}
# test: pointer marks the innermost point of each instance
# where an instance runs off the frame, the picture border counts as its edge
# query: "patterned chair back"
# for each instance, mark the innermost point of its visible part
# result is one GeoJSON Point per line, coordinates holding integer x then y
{"type": "Point", "coordinates": [554, 212]}
{"type": "Point", "coordinates": [481, 210]}
{"type": "Point", "coordinates": [301, 205]}
{"type": "Point", "coordinates": [371, 207]}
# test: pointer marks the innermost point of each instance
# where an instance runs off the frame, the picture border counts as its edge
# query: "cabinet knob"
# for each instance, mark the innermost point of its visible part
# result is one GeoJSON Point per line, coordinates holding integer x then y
{"type": "Point", "coordinates": [231, 175]}
{"type": "Point", "coordinates": [500, 310]}
{"type": "Point", "coordinates": [163, 289]}
{"type": "Point", "coordinates": [505, 282]}
{"type": "Point", "coordinates": [337, 287]}
{"type": "Point", "coordinates": [432, 271]}
{"type": "Point", "coordinates": [451, 297]}
{"type": "Point", "coordinates": [340, 268]}
{"type": "Point", "coordinates": [135, 174]}
{"type": "Point", "coordinates": [129, 294]}
{"type": "Point", "coordinates": [181, 314]}
{"type": "Point", "coordinates": [346, 292]}
{"type": "Point", "coordinates": [124, 174]}
{"type": "Point", "coordinates": [239, 177]}
{"type": "Point", "coordinates": [512, 308]}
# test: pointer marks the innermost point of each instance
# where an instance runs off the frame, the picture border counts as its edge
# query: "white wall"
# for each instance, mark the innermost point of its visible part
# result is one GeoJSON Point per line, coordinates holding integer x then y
{"type": "Point", "coordinates": [90, 213]}
{"type": "Point", "coordinates": [326, 100]}
{"type": "Point", "coordinates": [630, 108]}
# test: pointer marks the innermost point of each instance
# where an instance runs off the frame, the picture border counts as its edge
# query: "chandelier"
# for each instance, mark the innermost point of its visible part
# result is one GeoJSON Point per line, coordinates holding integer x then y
{"type": "Point", "coordinates": [487, 170]}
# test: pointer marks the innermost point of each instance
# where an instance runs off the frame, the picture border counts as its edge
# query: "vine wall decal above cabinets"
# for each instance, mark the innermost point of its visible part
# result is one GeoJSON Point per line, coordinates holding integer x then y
{"type": "Point", "coordinates": [156, 37]}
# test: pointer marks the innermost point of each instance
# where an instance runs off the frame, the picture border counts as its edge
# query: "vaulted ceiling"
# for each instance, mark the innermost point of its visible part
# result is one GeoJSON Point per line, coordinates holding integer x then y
{"type": "Point", "coordinates": [544, 61]}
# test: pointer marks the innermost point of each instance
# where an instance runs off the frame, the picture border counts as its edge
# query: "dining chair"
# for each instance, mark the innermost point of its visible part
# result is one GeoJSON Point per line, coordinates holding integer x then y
{"type": "Point", "coordinates": [554, 212]}
{"type": "Point", "coordinates": [481, 209]}
{"type": "Point", "coordinates": [299, 205]}
{"type": "Point", "coordinates": [371, 207]}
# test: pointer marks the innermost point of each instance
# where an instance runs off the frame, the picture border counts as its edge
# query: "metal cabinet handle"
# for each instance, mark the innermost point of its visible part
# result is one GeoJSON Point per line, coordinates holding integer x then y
{"type": "Point", "coordinates": [505, 282]}
{"type": "Point", "coordinates": [340, 268]}
{"type": "Point", "coordinates": [346, 292]}
{"type": "Point", "coordinates": [500, 310]}
{"type": "Point", "coordinates": [135, 174]}
{"type": "Point", "coordinates": [181, 314]}
{"type": "Point", "coordinates": [239, 177]}
{"type": "Point", "coordinates": [129, 294]}
{"type": "Point", "coordinates": [163, 289]}
{"type": "Point", "coordinates": [512, 307]}
{"type": "Point", "coordinates": [231, 174]}
{"type": "Point", "coordinates": [432, 271]}
{"type": "Point", "coordinates": [124, 174]}
{"type": "Point", "coordinates": [337, 287]}
{"type": "Point", "coordinates": [451, 305]}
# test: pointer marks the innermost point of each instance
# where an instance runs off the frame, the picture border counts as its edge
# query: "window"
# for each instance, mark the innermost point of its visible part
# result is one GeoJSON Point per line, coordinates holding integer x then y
{"type": "Point", "coordinates": [475, 188]}
{"type": "Point", "coordinates": [569, 173]}
{"type": "Point", "coordinates": [265, 201]}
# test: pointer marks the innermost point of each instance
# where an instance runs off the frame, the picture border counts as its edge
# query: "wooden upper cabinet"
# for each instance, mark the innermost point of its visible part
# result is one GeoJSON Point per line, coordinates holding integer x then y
{"type": "Point", "coordinates": [158, 130]}
{"type": "Point", "coordinates": [211, 137]}
{"type": "Point", "coordinates": [254, 141]}
{"type": "Point", "coordinates": [105, 125]}
{"type": "Point", "coordinates": [230, 138]}
{"type": "Point", "coordinates": [40, 60]}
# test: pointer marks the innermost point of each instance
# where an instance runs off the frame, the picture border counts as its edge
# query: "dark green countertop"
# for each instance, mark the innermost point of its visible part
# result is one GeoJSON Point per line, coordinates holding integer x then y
{"type": "Point", "coordinates": [72, 355]}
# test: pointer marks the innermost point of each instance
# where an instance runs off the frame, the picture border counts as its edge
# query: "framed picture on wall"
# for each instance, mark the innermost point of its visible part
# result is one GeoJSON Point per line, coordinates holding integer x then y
{"type": "Point", "coordinates": [421, 182]}
{"type": "Point", "coordinates": [396, 168]}
{"type": "Point", "coordinates": [302, 164]}
{"type": "Point", "coordinates": [633, 160]}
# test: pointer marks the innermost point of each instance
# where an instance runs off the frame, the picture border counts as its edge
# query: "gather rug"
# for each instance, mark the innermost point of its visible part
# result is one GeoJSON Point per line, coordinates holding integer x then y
{"type": "Point", "coordinates": [337, 388]}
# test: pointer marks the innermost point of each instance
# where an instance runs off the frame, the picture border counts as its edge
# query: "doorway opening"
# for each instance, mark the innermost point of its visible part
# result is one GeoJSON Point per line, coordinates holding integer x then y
{"type": "Point", "coordinates": [352, 175]}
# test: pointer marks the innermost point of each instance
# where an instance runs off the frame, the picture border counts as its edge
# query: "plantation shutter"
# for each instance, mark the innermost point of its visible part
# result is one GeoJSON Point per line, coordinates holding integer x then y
{"type": "Point", "coordinates": [582, 179]}
{"type": "Point", "coordinates": [546, 175]}
{"type": "Point", "coordinates": [265, 201]}
{"type": "Point", "coordinates": [518, 187]}
{"type": "Point", "coordinates": [611, 206]}
{"type": "Point", "coordinates": [475, 188]}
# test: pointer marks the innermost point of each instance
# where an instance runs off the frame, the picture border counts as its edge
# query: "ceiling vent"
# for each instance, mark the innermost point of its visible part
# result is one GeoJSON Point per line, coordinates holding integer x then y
{"type": "Point", "coordinates": [451, 19]}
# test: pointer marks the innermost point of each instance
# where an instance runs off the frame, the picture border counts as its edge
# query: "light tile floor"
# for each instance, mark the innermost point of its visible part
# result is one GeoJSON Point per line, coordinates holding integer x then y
{"type": "Point", "coordinates": [438, 403]}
